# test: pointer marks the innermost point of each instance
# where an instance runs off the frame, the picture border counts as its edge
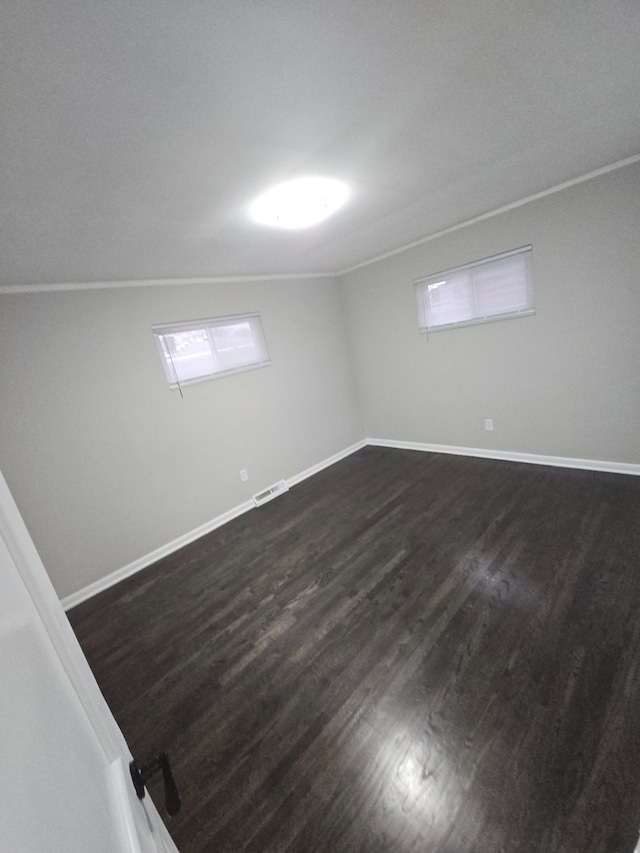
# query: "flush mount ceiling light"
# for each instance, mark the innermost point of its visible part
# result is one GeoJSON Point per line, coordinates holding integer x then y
{"type": "Point", "coordinates": [299, 203]}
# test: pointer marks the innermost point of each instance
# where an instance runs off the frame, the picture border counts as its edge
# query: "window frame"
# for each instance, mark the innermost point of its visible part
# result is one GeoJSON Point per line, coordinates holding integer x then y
{"type": "Point", "coordinates": [421, 289]}
{"type": "Point", "coordinates": [207, 325]}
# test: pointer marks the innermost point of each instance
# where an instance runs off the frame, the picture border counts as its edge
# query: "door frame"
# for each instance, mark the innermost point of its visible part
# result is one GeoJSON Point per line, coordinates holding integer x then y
{"type": "Point", "coordinates": [36, 580]}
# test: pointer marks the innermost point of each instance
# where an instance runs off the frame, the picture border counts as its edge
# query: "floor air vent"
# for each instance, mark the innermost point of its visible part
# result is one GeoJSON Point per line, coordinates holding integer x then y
{"type": "Point", "coordinates": [270, 493]}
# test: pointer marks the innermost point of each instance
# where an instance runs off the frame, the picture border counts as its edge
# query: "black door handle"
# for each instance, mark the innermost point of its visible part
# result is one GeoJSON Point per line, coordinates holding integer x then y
{"type": "Point", "coordinates": [142, 775]}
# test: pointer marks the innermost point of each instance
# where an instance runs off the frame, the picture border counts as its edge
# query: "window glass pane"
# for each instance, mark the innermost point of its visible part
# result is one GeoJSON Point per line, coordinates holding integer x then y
{"type": "Point", "coordinates": [450, 300]}
{"type": "Point", "coordinates": [489, 289]}
{"type": "Point", "coordinates": [189, 354]}
{"type": "Point", "coordinates": [235, 345]}
{"type": "Point", "coordinates": [201, 349]}
{"type": "Point", "coordinates": [501, 289]}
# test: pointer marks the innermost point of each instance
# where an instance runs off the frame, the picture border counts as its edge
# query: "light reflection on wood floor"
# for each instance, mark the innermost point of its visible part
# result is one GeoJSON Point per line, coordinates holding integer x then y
{"type": "Point", "coordinates": [406, 652]}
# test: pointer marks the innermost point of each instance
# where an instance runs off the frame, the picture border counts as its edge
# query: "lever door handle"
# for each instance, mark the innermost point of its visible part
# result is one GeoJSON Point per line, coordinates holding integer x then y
{"type": "Point", "coordinates": [142, 775]}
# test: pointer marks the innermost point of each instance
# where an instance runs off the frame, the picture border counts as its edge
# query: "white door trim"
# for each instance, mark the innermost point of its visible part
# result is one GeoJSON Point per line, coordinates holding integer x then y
{"type": "Point", "coordinates": [34, 577]}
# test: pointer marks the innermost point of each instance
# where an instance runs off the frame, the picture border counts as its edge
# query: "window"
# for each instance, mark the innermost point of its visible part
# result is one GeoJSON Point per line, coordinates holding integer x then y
{"type": "Point", "coordinates": [202, 349]}
{"type": "Point", "coordinates": [480, 292]}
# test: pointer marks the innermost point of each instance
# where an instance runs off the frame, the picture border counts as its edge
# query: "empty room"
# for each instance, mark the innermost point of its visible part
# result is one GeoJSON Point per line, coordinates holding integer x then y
{"type": "Point", "coordinates": [320, 427]}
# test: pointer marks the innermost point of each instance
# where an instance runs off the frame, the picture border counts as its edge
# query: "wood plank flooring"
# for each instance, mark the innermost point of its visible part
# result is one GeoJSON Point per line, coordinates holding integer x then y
{"type": "Point", "coordinates": [406, 652]}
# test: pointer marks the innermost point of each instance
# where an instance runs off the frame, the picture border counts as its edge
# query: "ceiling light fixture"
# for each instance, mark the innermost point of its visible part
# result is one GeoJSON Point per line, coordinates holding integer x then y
{"type": "Point", "coordinates": [299, 203]}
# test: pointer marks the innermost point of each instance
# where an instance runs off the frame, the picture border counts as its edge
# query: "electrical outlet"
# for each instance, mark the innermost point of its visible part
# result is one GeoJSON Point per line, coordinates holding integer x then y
{"type": "Point", "coordinates": [488, 424]}
{"type": "Point", "coordinates": [243, 475]}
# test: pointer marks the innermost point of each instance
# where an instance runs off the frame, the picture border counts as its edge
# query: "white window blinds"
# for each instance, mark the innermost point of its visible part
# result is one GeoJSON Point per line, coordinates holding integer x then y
{"type": "Point", "coordinates": [492, 289]}
{"type": "Point", "coordinates": [201, 349]}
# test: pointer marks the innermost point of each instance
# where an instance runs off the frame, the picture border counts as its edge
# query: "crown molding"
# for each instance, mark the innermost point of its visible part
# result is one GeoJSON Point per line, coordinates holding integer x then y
{"type": "Point", "coordinates": [620, 164]}
{"type": "Point", "coordinates": [241, 279]}
{"type": "Point", "coordinates": [157, 282]}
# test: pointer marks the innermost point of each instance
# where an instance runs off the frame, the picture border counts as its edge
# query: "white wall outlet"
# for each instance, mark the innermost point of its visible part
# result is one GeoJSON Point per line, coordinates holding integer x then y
{"type": "Point", "coordinates": [488, 424]}
{"type": "Point", "coordinates": [243, 475]}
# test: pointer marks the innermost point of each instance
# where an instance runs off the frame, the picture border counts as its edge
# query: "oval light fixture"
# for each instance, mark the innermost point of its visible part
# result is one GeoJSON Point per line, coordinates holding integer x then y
{"type": "Point", "coordinates": [299, 203]}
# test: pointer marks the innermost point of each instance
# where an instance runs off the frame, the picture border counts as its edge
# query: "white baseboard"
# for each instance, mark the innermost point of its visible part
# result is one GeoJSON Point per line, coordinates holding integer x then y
{"type": "Point", "coordinates": [309, 472]}
{"type": "Point", "coordinates": [164, 550]}
{"type": "Point", "coordinates": [153, 556]}
{"type": "Point", "coordinates": [511, 456]}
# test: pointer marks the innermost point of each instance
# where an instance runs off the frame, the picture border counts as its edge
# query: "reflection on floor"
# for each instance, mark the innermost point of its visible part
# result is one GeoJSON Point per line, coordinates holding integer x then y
{"type": "Point", "coordinates": [405, 652]}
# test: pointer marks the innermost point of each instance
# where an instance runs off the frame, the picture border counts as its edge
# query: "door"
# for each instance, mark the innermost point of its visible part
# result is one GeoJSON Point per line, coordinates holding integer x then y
{"type": "Point", "coordinates": [65, 785]}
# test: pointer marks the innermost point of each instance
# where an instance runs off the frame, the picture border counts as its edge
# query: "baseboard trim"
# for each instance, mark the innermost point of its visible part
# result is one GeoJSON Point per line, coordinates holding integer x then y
{"type": "Point", "coordinates": [315, 469]}
{"type": "Point", "coordinates": [153, 557]}
{"type": "Point", "coordinates": [508, 456]}
{"type": "Point", "coordinates": [511, 456]}
{"type": "Point", "coordinates": [165, 550]}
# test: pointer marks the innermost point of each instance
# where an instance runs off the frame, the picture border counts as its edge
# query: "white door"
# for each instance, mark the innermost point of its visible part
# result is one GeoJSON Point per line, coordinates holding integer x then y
{"type": "Point", "coordinates": [65, 785]}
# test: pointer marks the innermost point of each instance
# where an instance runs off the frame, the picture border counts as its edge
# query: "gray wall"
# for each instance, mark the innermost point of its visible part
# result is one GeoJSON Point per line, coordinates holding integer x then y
{"type": "Point", "coordinates": [565, 382]}
{"type": "Point", "coordinates": [107, 464]}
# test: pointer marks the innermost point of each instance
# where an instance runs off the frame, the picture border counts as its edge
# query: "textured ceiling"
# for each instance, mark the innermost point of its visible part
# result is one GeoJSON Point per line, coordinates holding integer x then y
{"type": "Point", "coordinates": [134, 135]}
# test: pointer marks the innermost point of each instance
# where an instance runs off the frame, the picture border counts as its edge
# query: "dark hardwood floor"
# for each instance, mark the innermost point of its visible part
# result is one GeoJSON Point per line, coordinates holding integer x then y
{"type": "Point", "coordinates": [406, 652]}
